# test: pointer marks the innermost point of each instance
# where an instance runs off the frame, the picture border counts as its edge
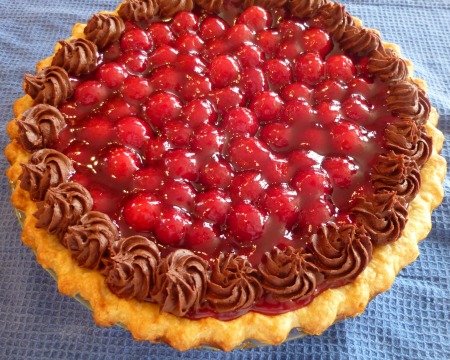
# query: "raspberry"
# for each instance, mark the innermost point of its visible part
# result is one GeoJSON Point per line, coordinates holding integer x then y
{"type": "Point", "coordinates": [247, 153]}
{"type": "Point", "coordinates": [148, 179]}
{"type": "Point", "coordinates": [156, 148]}
{"type": "Point", "coordinates": [296, 91]}
{"type": "Point", "coordinates": [314, 214]}
{"type": "Point", "coordinates": [96, 130]}
{"type": "Point", "coordinates": [172, 226]}
{"type": "Point", "coordinates": [198, 112]}
{"type": "Point", "coordinates": [202, 236]}
{"type": "Point", "coordinates": [178, 193]}
{"type": "Point", "coordinates": [116, 108]}
{"type": "Point", "coordinates": [347, 137]}
{"type": "Point", "coordinates": [329, 90]}
{"type": "Point", "coordinates": [278, 73]}
{"type": "Point", "coordinates": [358, 109]}
{"type": "Point", "coordinates": [277, 136]}
{"type": "Point", "coordinates": [249, 56]}
{"type": "Point", "coordinates": [161, 34]}
{"type": "Point", "coordinates": [328, 112]}
{"type": "Point", "coordinates": [212, 27]}
{"type": "Point", "coordinates": [206, 139]}
{"type": "Point", "coordinates": [240, 121]}
{"type": "Point", "coordinates": [247, 186]}
{"type": "Point", "coordinates": [212, 206]}
{"type": "Point", "coordinates": [268, 41]}
{"type": "Point", "coordinates": [104, 199]}
{"type": "Point", "coordinates": [246, 222]}
{"type": "Point", "coordinates": [267, 106]}
{"type": "Point", "coordinates": [190, 64]}
{"type": "Point", "coordinates": [181, 164]}
{"type": "Point", "coordinates": [91, 93]}
{"type": "Point", "coordinates": [309, 68]}
{"type": "Point", "coordinates": [163, 55]}
{"type": "Point", "coordinates": [162, 107]}
{"type": "Point", "coordinates": [177, 132]}
{"type": "Point", "coordinates": [119, 163]}
{"type": "Point", "coordinates": [252, 81]}
{"type": "Point", "coordinates": [340, 67]}
{"type": "Point", "coordinates": [136, 89]}
{"type": "Point", "coordinates": [223, 70]}
{"type": "Point", "coordinates": [166, 79]}
{"type": "Point", "coordinates": [296, 112]}
{"type": "Point", "coordinates": [189, 44]}
{"type": "Point", "coordinates": [135, 61]}
{"type": "Point", "coordinates": [311, 184]}
{"type": "Point", "coordinates": [281, 202]}
{"type": "Point", "coordinates": [133, 131]}
{"type": "Point", "coordinates": [141, 212]}
{"type": "Point", "coordinates": [226, 99]}
{"type": "Point", "coordinates": [111, 74]}
{"type": "Point", "coordinates": [216, 174]}
{"type": "Point", "coordinates": [136, 39]}
{"type": "Point", "coordinates": [315, 39]}
{"type": "Point", "coordinates": [341, 170]}
{"type": "Point", "coordinates": [184, 22]}
{"type": "Point", "coordinates": [256, 18]}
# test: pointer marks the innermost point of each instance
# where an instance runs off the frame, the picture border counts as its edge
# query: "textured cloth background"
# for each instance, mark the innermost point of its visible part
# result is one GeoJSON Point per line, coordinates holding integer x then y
{"type": "Point", "coordinates": [411, 321]}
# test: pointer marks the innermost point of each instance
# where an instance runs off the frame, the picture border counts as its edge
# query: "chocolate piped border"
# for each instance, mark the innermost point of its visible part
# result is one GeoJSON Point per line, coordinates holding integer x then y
{"type": "Point", "coordinates": [385, 216]}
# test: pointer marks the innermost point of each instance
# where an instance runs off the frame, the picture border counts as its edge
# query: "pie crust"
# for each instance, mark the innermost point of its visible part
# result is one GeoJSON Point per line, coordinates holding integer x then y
{"type": "Point", "coordinates": [144, 320]}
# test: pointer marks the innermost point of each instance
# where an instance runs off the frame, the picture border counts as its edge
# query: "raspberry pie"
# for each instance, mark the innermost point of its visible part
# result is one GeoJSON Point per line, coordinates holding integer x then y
{"type": "Point", "coordinates": [206, 172]}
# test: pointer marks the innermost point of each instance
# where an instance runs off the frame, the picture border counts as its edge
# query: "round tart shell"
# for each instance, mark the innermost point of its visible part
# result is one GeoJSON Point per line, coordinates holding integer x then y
{"type": "Point", "coordinates": [144, 320]}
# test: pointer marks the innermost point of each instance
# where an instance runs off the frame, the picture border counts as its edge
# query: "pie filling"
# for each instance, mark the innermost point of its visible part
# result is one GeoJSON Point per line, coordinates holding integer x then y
{"type": "Point", "coordinates": [233, 163]}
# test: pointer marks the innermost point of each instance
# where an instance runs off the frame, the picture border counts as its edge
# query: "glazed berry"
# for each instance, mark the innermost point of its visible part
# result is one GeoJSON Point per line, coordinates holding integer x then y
{"type": "Point", "coordinates": [360, 86]}
{"type": "Point", "coordinates": [135, 61]}
{"type": "Point", "coordinates": [252, 81]}
{"type": "Point", "coordinates": [315, 39]}
{"type": "Point", "coordinates": [197, 112]}
{"type": "Point", "coordinates": [357, 109]}
{"type": "Point", "coordinates": [189, 43]}
{"type": "Point", "coordinates": [90, 93]}
{"type": "Point", "coordinates": [249, 56]}
{"type": "Point", "coordinates": [119, 163]}
{"type": "Point", "coordinates": [162, 107]}
{"type": "Point", "coordinates": [163, 55]}
{"type": "Point", "coordinates": [136, 89]}
{"type": "Point", "coordinates": [96, 130]}
{"type": "Point", "coordinates": [171, 226]}
{"type": "Point", "coordinates": [166, 78]}
{"type": "Point", "coordinates": [296, 91]}
{"type": "Point", "coordinates": [178, 193]}
{"type": "Point", "coordinates": [309, 68]}
{"type": "Point", "coordinates": [347, 137]}
{"type": "Point", "coordinates": [212, 27]}
{"type": "Point", "coordinates": [296, 112]}
{"type": "Point", "coordinates": [141, 212]}
{"type": "Point", "coordinates": [328, 90]}
{"type": "Point", "coordinates": [341, 170]}
{"type": "Point", "coordinates": [130, 25]}
{"type": "Point", "coordinates": [177, 132]}
{"type": "Point", "coordinates": [181, 164]}
{"type": "Point", "coordinates": [290, 29]}
{"type": "Point", "coordinates": [289, 50]}
{"type": "Point", "coordinates": [276, 170]}
{"type": "Point", "coordinates": [213, 206]}
{"type": "Point", "coordinates": [246, 222]}
{"type": "Point", "coordinates": [80, 153]}
{"type": "Point", "coordinates": [328, 112]}
{"type": "Point", "coordinates": [226, 99]}
{"type": "Point", "coordinates": [112, 52]}
{"type": "Point", "coordinates": [190, 64]}
{"type": "Point", "coordinates": [104, 199]}
{"type": "Point", "coordinates": [277, 136]}
{"type": "Point", "coordinates": [161, 34]}
{"type": "Point", "coordinates": [247, 186]}
{"type": "Point", "coordinates": [311, 184]}
{"type": "Point", "coordinates": [206, 139]}
{"type": "Point", "coordinates": [237, 35]}
{"type": "Point", "coordinates": [133, 131]}
{"type": "Point", "coordinates": [216, 174]}
{"type": "Point", "coordinates": [136, 39]}
{"type": "Point", "coordinates": [201, 236]}
{"type": "Point", "coordinates": [195, 87]}
{"type": "Point", "coordinates": [315, 213]}
{"type": "Point", "coordinates": [281, 202]}
{"type": "Point", "coordinates": [267, 106]}
{"type": "Point", "coordinates": [184, 22]}
{"type": "Point", "coordinates": [247, 153]}
{"type": "Point", "coordinates": [278, 73]}
{"type": "Point", "coordinates": [268, 41]}
{"type": "Point", "coordinates": [256, 18]}
{"type": "Point", "coordinates": [148, 179]}
{"type": "Point", "coordinates": [223, 70]}
{"type": "Point", "coordinates": [316, 137]}
{"type": "Point", "coordinates": [117, 108]}
{"type": "Point", "coordinates": [215, 48]}
{"type": "Point", "coordinates": [340, 67]}
{"type": "Point", "coordinates": [111, 74]}
{"type": "Point", "coordinates": [156, 148]}
{"type": "Point", "coordinates": [240, 121]}
{"type": "Point", "coordinates": [302, 160]}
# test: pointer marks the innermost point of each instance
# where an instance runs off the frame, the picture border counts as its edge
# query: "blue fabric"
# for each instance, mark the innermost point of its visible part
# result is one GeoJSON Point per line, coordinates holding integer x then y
{"type": "Point", "coordinates": [411, 321]}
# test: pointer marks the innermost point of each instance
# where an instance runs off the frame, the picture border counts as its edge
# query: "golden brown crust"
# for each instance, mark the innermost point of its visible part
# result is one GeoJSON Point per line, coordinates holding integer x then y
{"type": "Point", "coordinates": [182, 333]}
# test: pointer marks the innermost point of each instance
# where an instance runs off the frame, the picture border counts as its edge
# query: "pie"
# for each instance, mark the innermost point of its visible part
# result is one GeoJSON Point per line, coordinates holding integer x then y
{"type": "Point", "coordinates": [209, 172]}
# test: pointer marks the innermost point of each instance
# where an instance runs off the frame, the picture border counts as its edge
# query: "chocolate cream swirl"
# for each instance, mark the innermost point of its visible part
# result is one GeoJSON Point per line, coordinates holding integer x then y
{"type": "Point", "coordinates": [387, 66]}
{"type": "Point", "coordinates": [91, 240]}
{"type": "Point", "coordinates": [77, 56]}
{"type": "Point", "coordinates": [46, 168]}
{"type": "Point", "coordinates": [396, 172]}
{"type": "Point", "coordinates": [181, 282]}
{"type": "Point", "coordinates": [168, 8]}
{"type": "Point", "coordinates": [104, 29]}
{"type": "Point", "coordinates": [39, 127]}
{"type": "Point", "coordinates": [50, 86]}
{"type": "Point", "coordinates": [341, 253]}
{"type": "Point", "coordinates": [360, 41]}
{"type": "Point", "coordinates": [305, 8]}
{"type": "Point", "coordinates": [383, 215]}
{"type": "Point", "coordinates": [214, 6]}
{"type": "Point", "coordinates": [334, 18]}
{"type": "Point", "coordinates": [289, 274]}
{"type": "Point", "coordinates": [133, 267]}
{"type": "Point", "coordinates": [139, 10]}
{"type": "Point", "coordinates": [233, 284]}
{"type": "Point", "coordinates": [63, 206]}
{"type": "Point", "coordinates": [267, 4]}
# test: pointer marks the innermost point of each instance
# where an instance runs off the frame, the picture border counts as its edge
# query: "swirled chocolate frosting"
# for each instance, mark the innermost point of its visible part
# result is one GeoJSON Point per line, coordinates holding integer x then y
{"type": "Point", "coordinates": [356, 40]}
{"type": "Point", "coordinates": [133, 267]}
{"type": "Point", "coordinates": [267, 4]}
{"type": "Point", "coordinates": [233, 284]}
{"type": "Point", "coordinates": [387, 66]}
{"type": "Point", "coordinates": [62, 207]}
{"type": "Point", "coordinates": [305, 8]}
{"type": "Point", "coordinates": [90, 241]}
{"type": "Point", "coordinates": [181, 282]}
{"type": "Point", "coordinates": [39, 127]}
{"type": "Point", "coordinates": [341, 253]}
{"type": "Point", "coordinates": [46, 168]}
{"type": "Point", "coordinates": [210, 5]}
{"type": "Point", "coordinates": [403, 99]}
{"type": "Point", "coordinates": [383, 215]}
{"type": "Point", "coordinates": [104, 29]}
{"type": "Point", "coordinates": [288, 274]}
{"type": "Point", "coordinates": [397, 173]}
{"type": "Point", "coordinates": [139, 10]}
{"type": "Point", "coordinates": [50, 86]}
{"type": "Point", "coordinates": [334, 18]}
{"type": "Point", "coordinates": [168, 8]}
{"type": "Point", "coordinates": [77, 56]}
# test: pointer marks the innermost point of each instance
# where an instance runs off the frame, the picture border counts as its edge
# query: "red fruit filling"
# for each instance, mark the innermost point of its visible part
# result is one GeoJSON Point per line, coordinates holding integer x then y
{"type": "Point", "coordinates": [213, 137]}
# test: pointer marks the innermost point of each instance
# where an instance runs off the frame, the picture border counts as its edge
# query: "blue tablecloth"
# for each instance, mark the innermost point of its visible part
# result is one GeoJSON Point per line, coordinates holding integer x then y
{"type": "Point", "coordinates": [411, 321]}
